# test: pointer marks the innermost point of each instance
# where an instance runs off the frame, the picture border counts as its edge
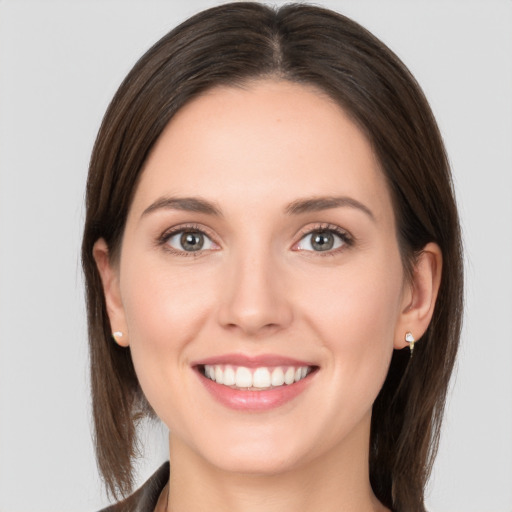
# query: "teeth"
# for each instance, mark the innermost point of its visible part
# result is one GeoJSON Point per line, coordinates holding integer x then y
{"type": "Point", "coordinates": [277, 377]}
{"type": "Point", "coordinates": [229, 376]}
{"type": "Point", "coordinates": [243, 378]}
{"type": "Point", "coordinates": [261, 378]}
{"type": "Point", "coordinates": [219, 375]}
{"type": "Point", "coordinates": [257, 378]}
{"type": "Point", "coordinates": [289, 376]}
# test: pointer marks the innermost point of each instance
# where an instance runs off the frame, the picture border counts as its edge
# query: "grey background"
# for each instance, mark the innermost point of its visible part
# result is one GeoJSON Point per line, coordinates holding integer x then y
{"type": "Point", "coordinates": [60, 63]}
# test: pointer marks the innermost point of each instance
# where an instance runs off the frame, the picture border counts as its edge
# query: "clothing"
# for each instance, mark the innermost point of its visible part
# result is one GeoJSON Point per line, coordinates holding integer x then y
{"type": "Point", "coordinates": [145, 498]}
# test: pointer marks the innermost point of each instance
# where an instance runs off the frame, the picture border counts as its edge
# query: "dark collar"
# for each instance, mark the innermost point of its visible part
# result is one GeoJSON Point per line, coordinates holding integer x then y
{"type": "Point", "coordinates": [145, 498]}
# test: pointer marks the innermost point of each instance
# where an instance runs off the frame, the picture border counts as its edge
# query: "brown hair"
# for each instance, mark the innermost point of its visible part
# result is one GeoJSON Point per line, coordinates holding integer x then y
{"type": "Point", "coordinates": [232, 44]}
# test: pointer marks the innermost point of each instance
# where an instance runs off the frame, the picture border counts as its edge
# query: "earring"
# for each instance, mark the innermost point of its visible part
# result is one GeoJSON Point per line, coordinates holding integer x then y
{"type": "Point", "coordinates": [409, 338]}
{"type": "Point", "coordinates": [117, 335]}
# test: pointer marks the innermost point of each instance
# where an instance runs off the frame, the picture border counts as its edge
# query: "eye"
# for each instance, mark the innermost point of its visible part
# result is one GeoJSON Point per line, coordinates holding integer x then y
{"type": "Point", "coordinates": [190, 241]}
{"type": "Point", "coordinates": [322, 240]}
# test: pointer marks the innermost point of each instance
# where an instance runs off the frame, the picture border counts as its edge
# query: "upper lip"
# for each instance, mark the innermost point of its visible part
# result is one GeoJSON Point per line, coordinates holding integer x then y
{"type": "Point", "coordinates": [268, 360]}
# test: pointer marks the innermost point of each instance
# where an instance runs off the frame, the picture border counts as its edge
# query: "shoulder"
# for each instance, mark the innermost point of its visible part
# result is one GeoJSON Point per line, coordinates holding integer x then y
{"type": "Point", "coordinates": [146, 497]}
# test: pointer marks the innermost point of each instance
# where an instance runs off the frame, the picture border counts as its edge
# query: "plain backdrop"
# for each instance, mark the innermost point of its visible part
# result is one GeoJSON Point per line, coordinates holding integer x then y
{"type": "Point", "coordinates": [60, 63]}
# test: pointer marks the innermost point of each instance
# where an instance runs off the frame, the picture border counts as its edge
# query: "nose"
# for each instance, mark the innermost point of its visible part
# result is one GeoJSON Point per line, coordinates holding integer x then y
{"type": "Point", "coordinates": [254, 299]}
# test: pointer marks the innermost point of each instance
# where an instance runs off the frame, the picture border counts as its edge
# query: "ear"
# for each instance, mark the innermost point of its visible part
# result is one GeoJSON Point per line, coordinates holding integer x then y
{"type": "Point", "coordinates": [109, 274]}
{"type": "Point", "coordinates": [420, 295]}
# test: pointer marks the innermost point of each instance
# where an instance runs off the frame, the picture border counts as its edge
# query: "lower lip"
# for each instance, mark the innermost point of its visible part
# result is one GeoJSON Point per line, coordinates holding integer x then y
{"type": "Point", "coordinates": [244, 400]}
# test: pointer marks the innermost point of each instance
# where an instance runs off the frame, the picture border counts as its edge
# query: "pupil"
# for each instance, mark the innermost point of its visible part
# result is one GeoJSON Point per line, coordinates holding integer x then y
{"type": "Point", "coordinates": [192, 241]}
{"type": "Point", "coordinates": [322, 241]}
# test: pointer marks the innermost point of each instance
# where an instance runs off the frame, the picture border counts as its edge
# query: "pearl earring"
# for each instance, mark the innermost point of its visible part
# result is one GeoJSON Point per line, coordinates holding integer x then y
{"type": "Point", "coordinates": [409, 338]}
{"type": "Point", "coordinates": [117, 335]}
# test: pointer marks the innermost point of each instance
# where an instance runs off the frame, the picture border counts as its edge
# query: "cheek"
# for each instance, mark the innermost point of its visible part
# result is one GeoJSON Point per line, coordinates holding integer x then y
{"type": "Point", "coordinates": [355, 310]}
{"type": "Point", "coordinates": [362, 297]}
{"type": "Point", "coordinates": [165, 310]}
{"type": "Point", "coordinates": [163, 304]}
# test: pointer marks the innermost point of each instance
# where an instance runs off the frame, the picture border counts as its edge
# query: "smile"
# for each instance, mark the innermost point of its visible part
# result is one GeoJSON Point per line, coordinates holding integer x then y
{"type": "Point", "coordinates": [255, 384]}
{"type": "Point", "coordinates": [255, 379]}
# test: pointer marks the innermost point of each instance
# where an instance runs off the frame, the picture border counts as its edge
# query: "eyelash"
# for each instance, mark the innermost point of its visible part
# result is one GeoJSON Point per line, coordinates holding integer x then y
{"type": "Point", "coordinates": [164, 238]}
{"type": "Point", "coordinates": [347, 239]}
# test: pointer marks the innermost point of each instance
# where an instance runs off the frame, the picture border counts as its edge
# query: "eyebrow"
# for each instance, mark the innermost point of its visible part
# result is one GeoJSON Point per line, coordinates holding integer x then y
{"type": "Point", "coordinates": [313, 204]}
{"type": "Point", "coordinates": [316, 204]}
{"type": "Point", "coordinates": [188, 204]}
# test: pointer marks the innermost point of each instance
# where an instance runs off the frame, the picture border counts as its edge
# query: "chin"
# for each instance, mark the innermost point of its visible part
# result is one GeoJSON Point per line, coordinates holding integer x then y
{"type": "Point", "coordinates": [259, 453]}
{"type": "Point", "coordinates": [264, 458]}
{"type": "Point", "coordinates": [257, 462]}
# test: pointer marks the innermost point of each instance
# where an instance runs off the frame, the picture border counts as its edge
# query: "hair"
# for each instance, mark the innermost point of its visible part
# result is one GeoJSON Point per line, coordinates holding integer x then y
{"type": "Point", "coordinates": [234, 44]}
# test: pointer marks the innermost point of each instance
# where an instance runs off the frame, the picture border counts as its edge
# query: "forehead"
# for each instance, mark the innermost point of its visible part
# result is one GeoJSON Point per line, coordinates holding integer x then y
{"type": "Point", "coordinates": [272, 140]}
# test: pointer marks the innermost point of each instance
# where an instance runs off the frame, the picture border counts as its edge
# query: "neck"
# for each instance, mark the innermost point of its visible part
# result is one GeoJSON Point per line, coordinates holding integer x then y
{"type": "Point", "coordinates": [337, 480]}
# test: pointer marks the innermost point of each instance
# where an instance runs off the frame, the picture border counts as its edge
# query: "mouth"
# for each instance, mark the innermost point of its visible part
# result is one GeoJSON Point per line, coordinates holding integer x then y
{"type": "Point", "coordinates": [262, 378]}
{"type": "Point", "coordinates": [254, 384]}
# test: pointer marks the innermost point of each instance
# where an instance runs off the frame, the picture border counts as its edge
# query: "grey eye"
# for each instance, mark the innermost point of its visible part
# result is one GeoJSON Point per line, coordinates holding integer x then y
{"type": "Point", "coordinates": [320, 240]}
{"type": "Point", "coordinates": [190, 241]}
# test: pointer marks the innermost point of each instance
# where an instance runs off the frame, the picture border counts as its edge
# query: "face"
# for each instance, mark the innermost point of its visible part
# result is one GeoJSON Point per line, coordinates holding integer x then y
{"type": "Point", "coordinates": [260, 284]}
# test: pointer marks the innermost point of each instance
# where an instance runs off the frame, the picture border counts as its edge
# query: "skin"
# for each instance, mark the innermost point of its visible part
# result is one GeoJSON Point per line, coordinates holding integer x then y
{"type": "Point", "coordinates": [260, 288]}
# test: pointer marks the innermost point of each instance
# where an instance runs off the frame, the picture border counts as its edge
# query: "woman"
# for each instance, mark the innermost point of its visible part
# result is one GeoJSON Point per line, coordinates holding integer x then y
{"type": "Point", "coordinates": [270, 236]}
